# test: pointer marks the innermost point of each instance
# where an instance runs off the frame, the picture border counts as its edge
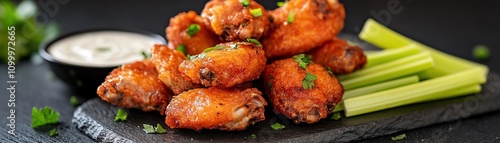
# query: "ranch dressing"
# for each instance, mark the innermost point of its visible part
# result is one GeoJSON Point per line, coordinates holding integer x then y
{"type": "Point", "coordinates": [102, 48]}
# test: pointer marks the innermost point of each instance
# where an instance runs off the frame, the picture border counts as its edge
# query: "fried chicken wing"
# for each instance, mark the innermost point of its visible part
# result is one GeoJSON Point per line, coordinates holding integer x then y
{"type": "Point", "coordinates": [135, 85]}
{"type": "Point", "coordinates": [314, 23]}
{"type": "Point", "coordinates": [226, 65]}
{"type": "Point", "coordinates": [339, 56]}
{"type": "Point", "coordinates": [177, 33]}
{"type": "Point", "coordinates": [235, 22]}
{"type": "Point", "coordinates": [291, 97]}
{"type": "Point", "coordinates": [167, 63]}
{"type": "Point", "coordinates": [213, 108]}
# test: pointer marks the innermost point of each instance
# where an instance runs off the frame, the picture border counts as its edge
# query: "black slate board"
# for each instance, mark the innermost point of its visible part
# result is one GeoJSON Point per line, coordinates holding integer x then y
{"type": "Point", "coordinates": [95, 118]}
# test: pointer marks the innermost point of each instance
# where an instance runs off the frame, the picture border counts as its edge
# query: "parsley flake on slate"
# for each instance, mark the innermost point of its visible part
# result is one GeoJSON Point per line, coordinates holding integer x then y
{"type": "Point", "coordinates": [159, 129]}
{"type": "Point", "coordinates": [53, 132]}
{"type": "Point", "coordinates": [43, 116]}
{"type": "Point", "coordinates": [336, 116]}
{"type": "Point", "coordinates": [398, 137]}
{"type": "Point", "coordinates": [277, 126]}
{"type": "Point", "coordinates": [73, 100]}
{"type": "Point", "coordinates": [121, 115]}
{"type": "Point", "coordinates": [148, 129]}
{"type": "Point", "coordinates": [307, 82]}
{"type": "Point", "coordinates": [280, 3]}
{"type": "Point", "coordinates": [253, 136]}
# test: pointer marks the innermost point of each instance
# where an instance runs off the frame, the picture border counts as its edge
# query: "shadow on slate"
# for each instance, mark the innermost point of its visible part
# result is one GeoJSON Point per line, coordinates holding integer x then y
{"type": "Point", "coordinates": [95, 118]}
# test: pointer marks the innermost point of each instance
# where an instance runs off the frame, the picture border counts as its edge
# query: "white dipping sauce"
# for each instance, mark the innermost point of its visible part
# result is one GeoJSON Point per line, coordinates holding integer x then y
{"type": "Point", "coordinates": [102, 48]}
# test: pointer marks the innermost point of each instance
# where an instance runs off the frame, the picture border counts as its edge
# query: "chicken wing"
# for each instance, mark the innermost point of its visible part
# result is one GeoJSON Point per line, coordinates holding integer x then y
{"type": "Point", "coordinates": [135, 85]}
{"type": "Point", "coordinates": [234, 21]}
{"type": "Point", "coordinates": [301, 25]}
{"type": "Point", "coordinates": [339, 56]}
{"type": "Point", "coordinates": [213, 108]}
{"type": "Point", "coordinates": [177, 33]}
{"type": "Point", "coordinates": [225, 65]}
{"type": "Point", "coordinates": [291, 94]}
{"type": "Point", "coordinates": [167, 63]}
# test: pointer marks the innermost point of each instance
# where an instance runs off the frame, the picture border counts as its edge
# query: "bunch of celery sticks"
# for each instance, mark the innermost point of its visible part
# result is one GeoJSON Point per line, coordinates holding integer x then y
{"type": "Point", "coordinates": [405, 72]}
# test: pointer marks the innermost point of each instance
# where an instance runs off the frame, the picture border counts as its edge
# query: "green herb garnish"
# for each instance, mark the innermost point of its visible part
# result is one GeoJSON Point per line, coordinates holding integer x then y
{"type": "Point", "coordinates": [121, 115]}
{"type": "Point", "coordinates": [291, 17]}
{"type": "Point", "coordinates": [336, 116]}
{"type": "Point", "coordinates": [193, 29]}
{"type": "Point", "coordinates": [148, 129]}
{"type": "Point", "coordinates": [182, 48]}
{"type": "Point", "coordinates": [43, 116]}
{"type": "Point", "coordinates": [307, 82]}
{"type": "Point", "coordinates": [277, 126]}
{"type": "Point", "coordinates": [103, 49]}
{"type": "Point", "coordinates": [398, 137]}
{"type": "Point", "coordinates": [280, 3]}
{"type": "Point", "coordinates": [217, 47]}
{"type": "Point", "coordinates": [256, 42]}
{"type": "Point", "coordinates": [73, 100]}
{"type": "Point", "coordinates": [145, 55]}
{"type": "Point", "coordinates": [329, 70]}
{"type": "Point", "coordinates": [245, 3]}
{"type": "Point", "coordinates": [253, 136]}
{"type": "Point", "coordinates": [303, 60]}
{"type": "Point", "coordinates": [481, 52]}
{"type": "Point", "coordinates": [256, 12]}
{"type": "Point", "coordinates": [159, 129]}
{"type": "Point", "coordinates": [235, 46]}
{"type": "Point", "coordinates": [53, 132]}
{"type": "Point", "coordinates": [269, 82]}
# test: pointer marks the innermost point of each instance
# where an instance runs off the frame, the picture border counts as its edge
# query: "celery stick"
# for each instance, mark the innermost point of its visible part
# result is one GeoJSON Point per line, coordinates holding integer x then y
{"type": "Point", "coordinates": [413, 93]}
{"type": "Point", "coordinates": [383, 37]}
{"type": "Point", "coordinates": [380, 86]}
{"type": "Point", "coordinates": [469, 89]}
{"type": "Point", "coordinates": [375, 88]}
{"type": "Point", "coordinates": [383, 67]}
{"type": "Point", "coordinates": [389, 55]}
{"type": "Point", "coordinates": [466, 90]}
{"type": "Point", "coordinates": [388, 71]}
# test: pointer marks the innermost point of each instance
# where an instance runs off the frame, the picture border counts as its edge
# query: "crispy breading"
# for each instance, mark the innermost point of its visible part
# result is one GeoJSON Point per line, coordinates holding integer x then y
{"type": "Point", "coordinates": [213, 108]}
{"type": "Point", "coordinates": [339, 56]}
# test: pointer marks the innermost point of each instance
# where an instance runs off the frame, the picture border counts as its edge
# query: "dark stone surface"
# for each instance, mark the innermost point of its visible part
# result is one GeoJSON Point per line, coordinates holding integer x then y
{"type": "Point", "coordinates": [95, 118]}
{"type": "Point", "coordinates": [447, 25]}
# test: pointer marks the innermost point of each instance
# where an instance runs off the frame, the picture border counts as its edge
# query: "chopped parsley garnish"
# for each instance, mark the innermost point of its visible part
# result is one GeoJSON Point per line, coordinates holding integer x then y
{"type": "Point", "coordinates": [146, 55]}
{"type": "Point", "coordinates": [181, 48]}
{"type": "Point", "coordinates": [398, 137]}
{"type": "Point", "coordinates": [149, 129]}
{"type": "Point", "coordinates": [245, 3]}
{"type": "Point", "coordinates": [307, 82]}
{"type": "Point", "coordinates": [336, 116]}
{"type": "Point", "coordinates": [269, 82]}
{"type": "Point", "coordinates": [193, 29]}
{"type": "Point", "coordinates": [73, 100]}
{"type": "Point", "coordinates": [53, 132]}
{"type": "Point", "coordinates": [291, 17]}
{"type": "Point", "coordinates": [217, 47]}
{"type": "Point", "coordinates": [43, 116]}
{"type": "Point", "coordinates": [256, 12]}
{"type": "Point", "coordinates": [277, 126]}
{"type": "Point", "coordinates": [159, 129]}
{"type": "Point", "coordinates": [253, 136]}
{"type": "Point", "coordinates": [481, 52]}
{"type": "Point", "coordinates": [329, 70]}
{"type": "Point", "coordinates": [121, 115]}
{"type": "Point", "coordinates": [303, 60]}
{"type": "Point", "coordinates": [256, 42]}
{"type": "Point", "coordinates": [102, 49]}
{"type": "Point", "coordinates": [235, 46]}
{"type": "Point", "coordinates": [280, 3]}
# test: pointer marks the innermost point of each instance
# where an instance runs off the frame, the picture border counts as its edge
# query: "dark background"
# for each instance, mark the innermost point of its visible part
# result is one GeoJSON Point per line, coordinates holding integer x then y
{"type": "Point", "coordinates": [451, 26]}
